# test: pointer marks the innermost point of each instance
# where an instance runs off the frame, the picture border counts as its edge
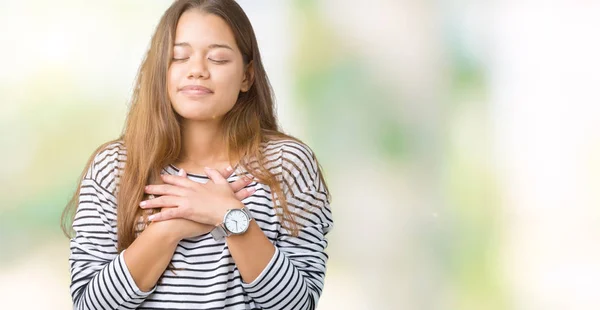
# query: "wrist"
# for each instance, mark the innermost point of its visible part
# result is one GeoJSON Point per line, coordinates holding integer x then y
{"type": "Point", "coordinates": [166, 231]}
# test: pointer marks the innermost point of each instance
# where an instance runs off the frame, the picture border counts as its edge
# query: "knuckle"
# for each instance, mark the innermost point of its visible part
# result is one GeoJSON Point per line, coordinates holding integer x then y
{"type": "Point", "coordinates": [235, 185]}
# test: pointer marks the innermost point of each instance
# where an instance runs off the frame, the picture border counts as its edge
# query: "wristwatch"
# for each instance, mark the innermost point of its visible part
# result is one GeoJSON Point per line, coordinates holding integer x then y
{"type": "Point", "coordinates": [235, 222]}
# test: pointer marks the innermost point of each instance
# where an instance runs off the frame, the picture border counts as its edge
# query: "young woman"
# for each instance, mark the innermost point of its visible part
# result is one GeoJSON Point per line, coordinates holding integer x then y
{"type": "Point", "coordinates": [202, 203]}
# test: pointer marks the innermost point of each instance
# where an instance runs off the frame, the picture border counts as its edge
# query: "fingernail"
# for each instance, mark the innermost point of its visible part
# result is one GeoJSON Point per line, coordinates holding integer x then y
{"type": "Point", "coordinates": [181, 172]}
{"type": "Point", "coordinates": [152, 217]}
{"type": "Point", "coordinates": [229, 169]}
{"type": "Point", "coordinates": [143, 203]}
{"type": "Point", "coordinates": [251, 190]}
{"type": "Point", "coordinates": [208, 168]}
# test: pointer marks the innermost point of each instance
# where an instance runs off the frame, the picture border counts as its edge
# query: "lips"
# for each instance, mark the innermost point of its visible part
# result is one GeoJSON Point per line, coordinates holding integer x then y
{"type": "Point", "coordinates": [195, 90]}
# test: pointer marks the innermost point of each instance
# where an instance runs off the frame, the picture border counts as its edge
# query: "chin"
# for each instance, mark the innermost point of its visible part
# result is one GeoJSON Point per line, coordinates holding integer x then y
{"type": "Point", "coordinates": [193, 110]}
{"type": "Point", "coordinates": [199, 117]}
{"type": "Point", "coordinates": [200, 114]}
{"type": "Point", "coordinates": [199, 110]}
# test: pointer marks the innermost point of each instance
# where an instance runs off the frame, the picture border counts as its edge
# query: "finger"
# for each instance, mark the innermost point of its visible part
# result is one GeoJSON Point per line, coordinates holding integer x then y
{"type": "Point", "coordinates": [164, 215]}
{"type": "Point", "coordinates": [215, 176]}
{"type": "Point", "coordinates": [180, 179]}
{"type": "Point", "coordinates": [240, 183]}
{"type": "Point", "coordinates": [245, 193]}
{"type": "Point", "coordinates": [226, 173]}
{"type": "Point", "coordinates": [165, 189]}
{"type": "Point", "coordinates": [161, 202]}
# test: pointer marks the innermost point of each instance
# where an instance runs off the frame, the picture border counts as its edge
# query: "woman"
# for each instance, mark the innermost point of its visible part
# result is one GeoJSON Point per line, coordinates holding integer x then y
{"type": "Point", "coordinates": [245, 228]}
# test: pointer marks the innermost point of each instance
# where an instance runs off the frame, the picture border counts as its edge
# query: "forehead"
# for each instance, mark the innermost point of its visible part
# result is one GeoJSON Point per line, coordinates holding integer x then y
{"type": "Point", "coordinates": [201, 29]}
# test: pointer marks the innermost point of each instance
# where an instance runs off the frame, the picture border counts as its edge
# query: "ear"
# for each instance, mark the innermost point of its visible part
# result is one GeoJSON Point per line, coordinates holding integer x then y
{"type": "Point", "coordinates": [248, 77]}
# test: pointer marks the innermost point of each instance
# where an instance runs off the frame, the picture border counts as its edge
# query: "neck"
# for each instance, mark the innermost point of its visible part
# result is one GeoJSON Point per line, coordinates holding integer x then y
{"type": "Point", "coordinates": [203, 145]}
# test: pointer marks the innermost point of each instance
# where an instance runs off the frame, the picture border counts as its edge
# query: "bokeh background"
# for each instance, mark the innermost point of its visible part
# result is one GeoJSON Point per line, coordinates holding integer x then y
{"type": "Point", "coordinates": [460, 139]}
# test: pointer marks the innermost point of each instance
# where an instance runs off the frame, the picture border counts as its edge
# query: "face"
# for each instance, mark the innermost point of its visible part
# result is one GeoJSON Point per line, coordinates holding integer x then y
{"type": "Point", "coordinates": [207, 71]}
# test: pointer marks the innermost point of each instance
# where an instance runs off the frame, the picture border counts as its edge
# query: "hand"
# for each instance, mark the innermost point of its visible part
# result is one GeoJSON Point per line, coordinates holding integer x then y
{"type": "Point", "coordinates": [202, 203]}
{"type": "Point", "coordinates": [177, 229]}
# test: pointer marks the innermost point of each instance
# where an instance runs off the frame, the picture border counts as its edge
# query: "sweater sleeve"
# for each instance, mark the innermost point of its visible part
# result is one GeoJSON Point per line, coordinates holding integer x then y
{"type": "Point", "coordinates": [294, 277]}
{"type": "Point", "coordinates": [100, 278]}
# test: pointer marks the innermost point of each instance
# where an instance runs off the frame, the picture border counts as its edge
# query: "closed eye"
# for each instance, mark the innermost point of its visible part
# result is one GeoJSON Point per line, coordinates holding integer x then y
{"type": "Point", "coordinates": [180, 59]}
{"type": "Point", "coordinates": [220, 62]}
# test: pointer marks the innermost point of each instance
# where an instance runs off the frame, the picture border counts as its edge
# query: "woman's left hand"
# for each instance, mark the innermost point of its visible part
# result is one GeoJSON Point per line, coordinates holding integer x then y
{"type": "Point", "coordinates": [183, 198]}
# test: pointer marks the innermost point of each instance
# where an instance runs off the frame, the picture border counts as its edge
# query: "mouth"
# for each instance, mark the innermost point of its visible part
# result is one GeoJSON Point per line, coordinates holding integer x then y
{"type": "Point", "coordinates": [195, 90]}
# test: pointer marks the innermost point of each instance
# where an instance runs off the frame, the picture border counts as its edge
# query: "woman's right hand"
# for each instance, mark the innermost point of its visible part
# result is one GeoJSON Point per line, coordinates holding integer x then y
{"type": "Point", "coordinates": [184, 228]}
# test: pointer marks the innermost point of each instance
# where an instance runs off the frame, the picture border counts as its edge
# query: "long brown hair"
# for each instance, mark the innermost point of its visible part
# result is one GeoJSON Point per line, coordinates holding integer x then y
{"type": "Point", "coordinates": [152, 132]}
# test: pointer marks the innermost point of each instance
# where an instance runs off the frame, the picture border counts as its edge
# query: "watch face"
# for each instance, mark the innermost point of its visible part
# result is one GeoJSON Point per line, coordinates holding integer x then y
{"type": "Point", "coordinates": [236, 221]}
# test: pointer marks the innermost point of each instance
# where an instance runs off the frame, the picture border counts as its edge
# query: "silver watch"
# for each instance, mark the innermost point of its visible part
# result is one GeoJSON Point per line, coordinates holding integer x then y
{"type": "Point", "coordinates": [235, 222]}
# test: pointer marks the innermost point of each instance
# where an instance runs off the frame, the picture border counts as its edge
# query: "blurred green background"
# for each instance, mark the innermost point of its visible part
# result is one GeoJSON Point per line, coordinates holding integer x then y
{"type": "Point", "coordinates": [460, 140]}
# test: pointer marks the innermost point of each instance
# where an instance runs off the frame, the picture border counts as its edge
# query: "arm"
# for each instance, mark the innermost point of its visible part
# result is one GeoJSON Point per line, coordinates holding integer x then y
{"type": "Point", "coordinates": [100, 277]}
{"type": "Point", "coordinates": [158, 242]}
{"type": "Point", "coordinates": [289, 274]}
{"type": "Point", "coordinates": [155, 242]}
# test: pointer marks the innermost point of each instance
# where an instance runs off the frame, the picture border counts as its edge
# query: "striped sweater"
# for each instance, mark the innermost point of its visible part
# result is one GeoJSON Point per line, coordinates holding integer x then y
{"type": "Point", "coordinates": [206, 276]}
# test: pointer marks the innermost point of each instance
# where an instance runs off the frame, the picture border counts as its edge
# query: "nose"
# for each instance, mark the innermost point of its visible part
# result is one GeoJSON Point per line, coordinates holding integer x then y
{"type": "Point", "coordinates": [198, 68]}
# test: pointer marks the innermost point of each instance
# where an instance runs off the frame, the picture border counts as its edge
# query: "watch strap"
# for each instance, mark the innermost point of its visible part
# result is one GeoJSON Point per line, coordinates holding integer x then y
{"type": "Point", "coordinates": [219, 233]}
{"type": "Point", "coordinates": [247, 211]}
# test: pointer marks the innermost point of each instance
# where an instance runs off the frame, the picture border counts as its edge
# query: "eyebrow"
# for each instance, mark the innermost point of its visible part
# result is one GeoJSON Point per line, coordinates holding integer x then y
{"type": "Point", "coordinates": [212, 46]}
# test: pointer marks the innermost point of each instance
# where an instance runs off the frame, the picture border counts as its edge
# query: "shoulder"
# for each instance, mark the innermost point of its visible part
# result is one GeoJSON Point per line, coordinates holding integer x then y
{"type": "Point", "coordinates": [106, 164]}
{"type": "Point", "coordinates": [290, 152]}
{"type": "Point", "coordinates": [294, 160]}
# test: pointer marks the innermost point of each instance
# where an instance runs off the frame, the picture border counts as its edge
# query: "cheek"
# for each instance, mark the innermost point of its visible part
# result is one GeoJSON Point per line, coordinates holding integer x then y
{"type": "Point", "coordinates": [229, 81]}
